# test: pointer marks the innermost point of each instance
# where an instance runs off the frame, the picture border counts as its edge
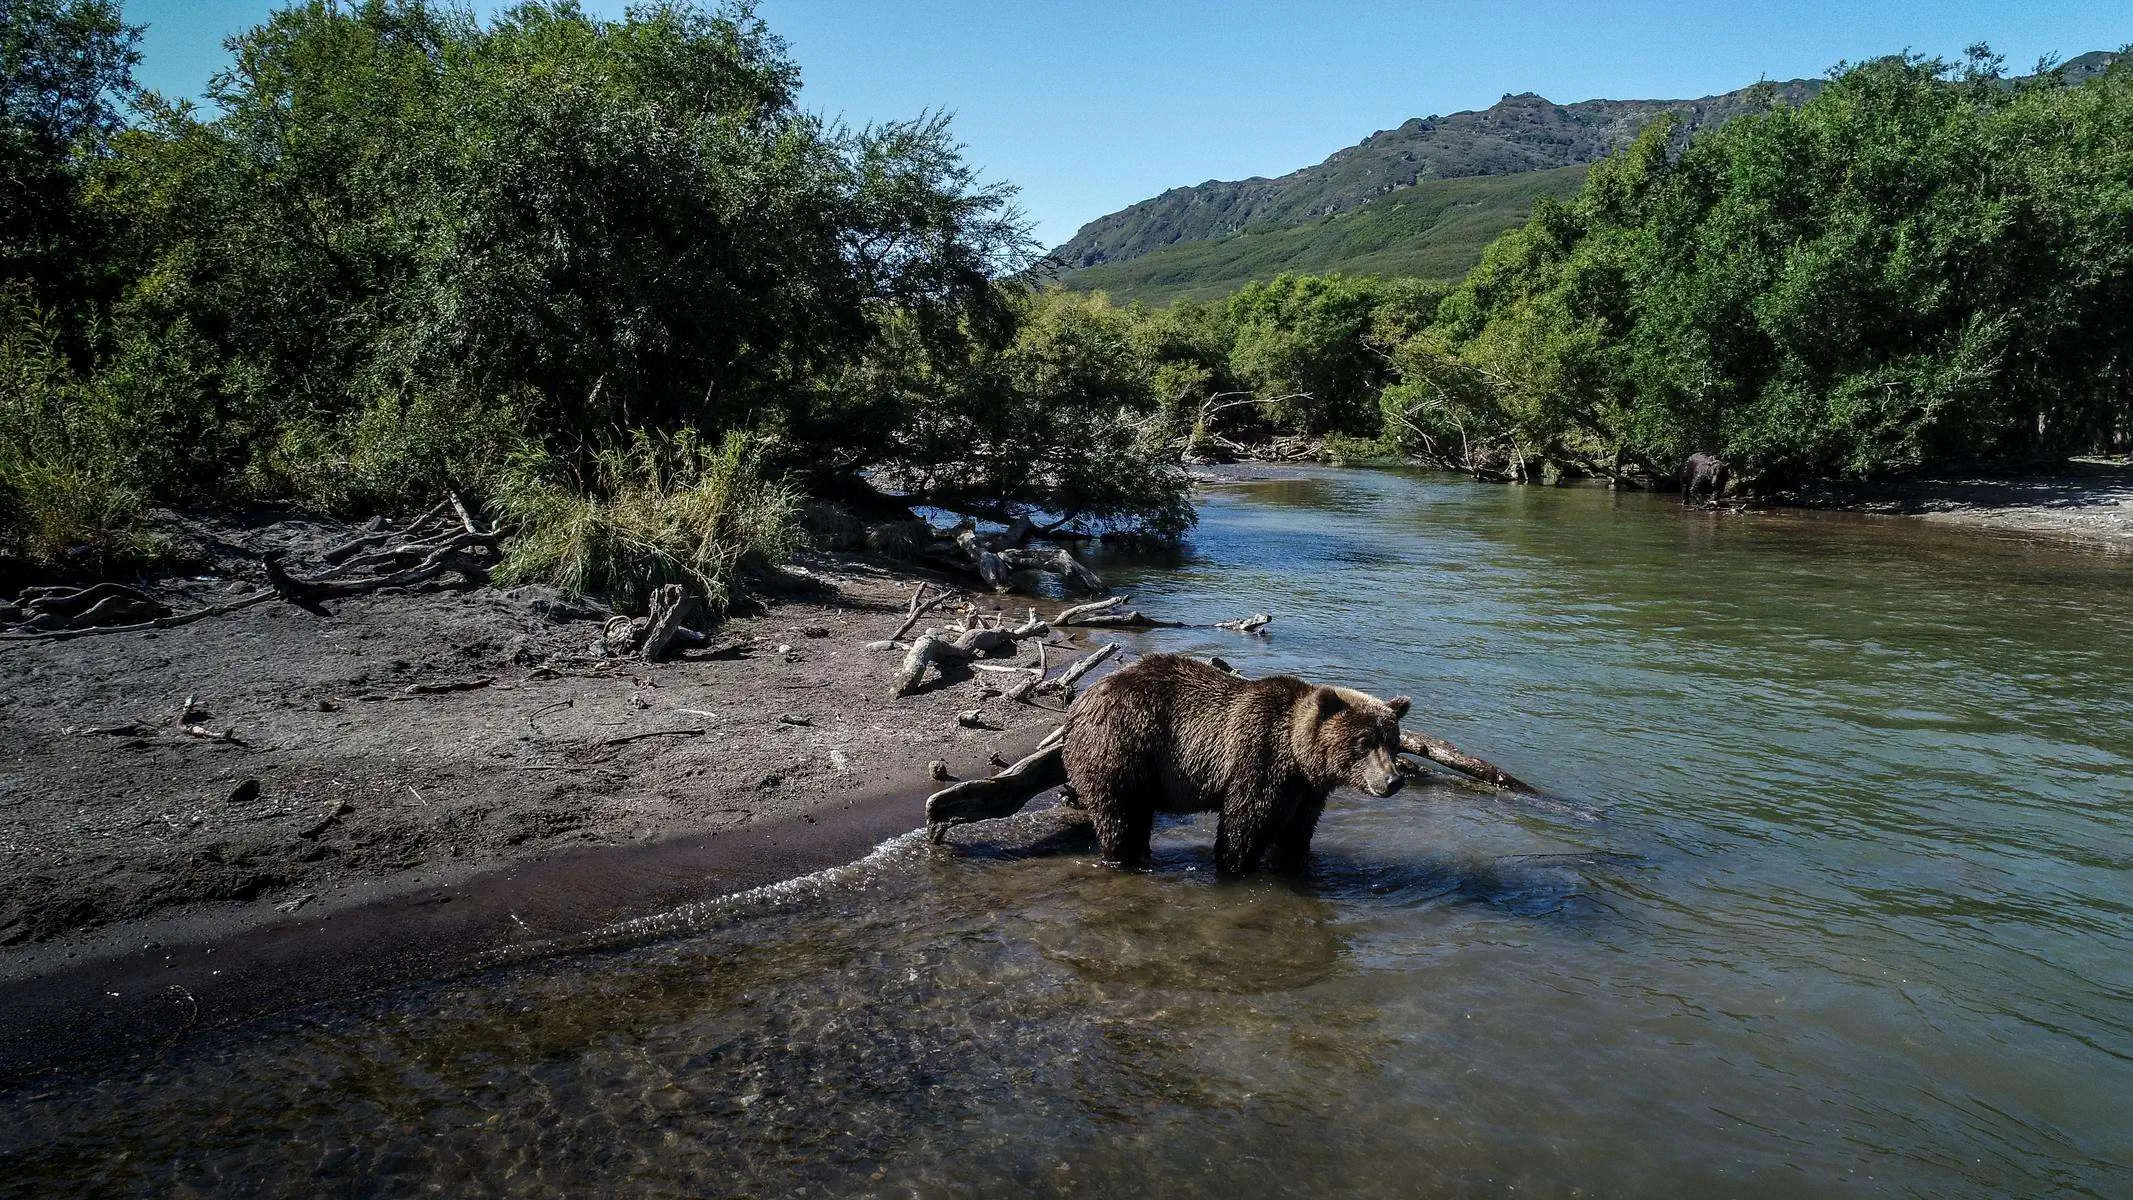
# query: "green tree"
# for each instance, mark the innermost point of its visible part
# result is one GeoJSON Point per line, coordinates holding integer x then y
{"type": "Point", "coordinates": [66, 78]}
{"type": "Point", "coordinates": [1924, 263]}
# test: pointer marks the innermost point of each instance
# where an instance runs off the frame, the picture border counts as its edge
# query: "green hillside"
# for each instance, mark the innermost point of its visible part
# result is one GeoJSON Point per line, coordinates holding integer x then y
{"type": "Point", "coordinates": [1435, 230]}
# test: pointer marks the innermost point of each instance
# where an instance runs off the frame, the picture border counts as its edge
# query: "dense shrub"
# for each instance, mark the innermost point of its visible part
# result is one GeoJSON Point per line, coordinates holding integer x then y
{"type": "Point", "coordinates": [68, 492]}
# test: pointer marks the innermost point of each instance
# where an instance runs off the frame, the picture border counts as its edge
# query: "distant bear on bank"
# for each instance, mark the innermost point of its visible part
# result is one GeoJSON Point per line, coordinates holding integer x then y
{"type": "Point", "coordinates": [1704, 472]}
{"type": "Point", "coordinates": [1172, 734]}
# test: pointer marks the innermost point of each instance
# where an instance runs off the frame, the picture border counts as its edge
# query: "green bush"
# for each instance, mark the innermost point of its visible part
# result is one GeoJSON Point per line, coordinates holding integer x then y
{"type": "Point", "coordinates": [664, 509]}
{"type": "Point", "coordinates": [1924, 264]}
{"type": "Point", "coordinates": [394, 454]}
{"type": "Point", "coordinates": [68, 495]}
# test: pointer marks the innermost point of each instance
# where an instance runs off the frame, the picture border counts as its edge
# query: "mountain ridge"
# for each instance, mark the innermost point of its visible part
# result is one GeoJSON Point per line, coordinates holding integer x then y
{"type": "Point", "coordinates": [1524, 131]}
{"type": "Point", "coordinates": [1521, 133]}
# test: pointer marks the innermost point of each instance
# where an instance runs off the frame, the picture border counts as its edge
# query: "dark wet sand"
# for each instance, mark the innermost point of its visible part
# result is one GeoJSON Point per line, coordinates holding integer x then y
{"type": "Point", "coordinates": [146, 1000]}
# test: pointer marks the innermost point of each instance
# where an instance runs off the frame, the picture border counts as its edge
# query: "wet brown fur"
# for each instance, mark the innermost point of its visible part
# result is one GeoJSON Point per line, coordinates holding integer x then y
{"type": "Point", "coordinates": [1173, 734]}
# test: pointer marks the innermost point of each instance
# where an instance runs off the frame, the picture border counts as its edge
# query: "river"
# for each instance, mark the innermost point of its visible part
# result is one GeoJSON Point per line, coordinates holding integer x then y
{"type": "Point", "coordinates": [1838, 898]}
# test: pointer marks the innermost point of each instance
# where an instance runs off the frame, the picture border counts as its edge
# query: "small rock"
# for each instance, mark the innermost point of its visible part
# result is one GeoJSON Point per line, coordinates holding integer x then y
{"type": "Point", "coordinates": [795, 719]}
{"type": "Point", "coordinates": [784, 649]}
{"type": "Point", "coordinates": [814, 631]}
{"type": "Point", "coordinates": [325, 705]}
{"type": "Point", "coordinates": [295, 902]}
{"type": "Point", "coordinates": [1000, 762]}
{"type": "Point", "coordinates": [770, 781]}
{"type": "Point", "coordinates": [938, 771]}
{"type": "Point", "coordinates": [973, 718]}
{"type": "Point", "coordinates": [245, 792]}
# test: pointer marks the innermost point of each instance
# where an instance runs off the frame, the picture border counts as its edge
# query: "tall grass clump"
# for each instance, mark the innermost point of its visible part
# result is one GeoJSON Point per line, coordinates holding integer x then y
{"type": "Point", "coordinates": [664, 509]}
{"type": "Point", "coordinates": [68, 495]}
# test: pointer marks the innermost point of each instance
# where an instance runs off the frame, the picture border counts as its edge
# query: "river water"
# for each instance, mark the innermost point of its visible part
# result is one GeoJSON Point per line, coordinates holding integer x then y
{"type": "Point", "coordinates": [1837, 899]}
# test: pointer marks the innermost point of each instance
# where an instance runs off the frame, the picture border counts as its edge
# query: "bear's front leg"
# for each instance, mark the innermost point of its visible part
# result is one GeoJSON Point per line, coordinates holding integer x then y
{"type": "Point", "coordinates": [1292, 846]}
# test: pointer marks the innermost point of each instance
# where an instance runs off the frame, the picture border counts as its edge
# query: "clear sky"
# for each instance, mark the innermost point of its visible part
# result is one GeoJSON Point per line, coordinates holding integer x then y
{"type": "Point", "coordinates": [1089, 105]}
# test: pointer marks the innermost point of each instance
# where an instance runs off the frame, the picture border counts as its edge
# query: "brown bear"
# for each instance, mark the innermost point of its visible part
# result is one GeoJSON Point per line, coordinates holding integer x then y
{"type": "Point", "coordinates": [1172, 734]}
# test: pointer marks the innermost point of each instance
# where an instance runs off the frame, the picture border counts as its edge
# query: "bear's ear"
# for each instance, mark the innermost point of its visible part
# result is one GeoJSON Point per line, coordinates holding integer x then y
{"type": "Point", "coordinates": [1329, 703]}
{"type": "Point", "coordinates": [1399, 705]}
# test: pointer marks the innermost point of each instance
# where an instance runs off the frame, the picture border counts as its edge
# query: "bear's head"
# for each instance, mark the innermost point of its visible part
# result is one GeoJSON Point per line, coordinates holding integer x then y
{"type": "Point", "coordinates": [1353, 738]}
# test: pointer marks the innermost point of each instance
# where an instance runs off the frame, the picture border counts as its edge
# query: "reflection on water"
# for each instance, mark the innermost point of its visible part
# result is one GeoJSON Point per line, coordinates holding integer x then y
{"type": "Point", "coordinates": [1857, 918]}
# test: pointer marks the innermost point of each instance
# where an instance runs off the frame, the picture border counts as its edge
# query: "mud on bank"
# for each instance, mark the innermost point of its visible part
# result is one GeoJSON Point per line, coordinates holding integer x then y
{"type": "Point", "coordinates": [418, 737]}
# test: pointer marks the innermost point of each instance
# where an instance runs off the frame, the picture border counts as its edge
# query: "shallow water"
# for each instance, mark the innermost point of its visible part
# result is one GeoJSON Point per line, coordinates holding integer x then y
{"type": "Point", "coordinates": [1855, 916]}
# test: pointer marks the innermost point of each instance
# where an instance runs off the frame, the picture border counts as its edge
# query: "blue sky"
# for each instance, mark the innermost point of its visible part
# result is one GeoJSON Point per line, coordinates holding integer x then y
{"type": "Point", "coordinates": [1089, 106]}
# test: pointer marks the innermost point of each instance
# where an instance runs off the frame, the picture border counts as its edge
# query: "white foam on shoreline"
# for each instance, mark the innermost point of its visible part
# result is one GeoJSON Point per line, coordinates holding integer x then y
{"type": "Point", "coordinates": [698, 915]}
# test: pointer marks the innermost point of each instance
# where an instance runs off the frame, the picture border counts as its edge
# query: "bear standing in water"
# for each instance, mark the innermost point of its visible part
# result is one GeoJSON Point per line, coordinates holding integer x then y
{"type": "Point", "coordinates": [1172, 734]}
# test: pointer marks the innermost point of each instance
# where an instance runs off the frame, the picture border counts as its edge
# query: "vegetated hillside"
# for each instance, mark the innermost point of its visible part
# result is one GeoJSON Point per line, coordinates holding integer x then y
{"type": "Point", "coordinates": [1519, 133]}
{"type": "Point", "coordinates": [1433, 230]}
{"type": "Point", "coordinates": [1372, 207]}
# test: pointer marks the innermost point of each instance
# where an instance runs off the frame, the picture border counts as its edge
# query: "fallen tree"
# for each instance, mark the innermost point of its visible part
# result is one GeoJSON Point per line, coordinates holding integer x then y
{"type": "Point", "coordinates": [1108, 614]}
{"type": "Point", "coordinates": [996, 557]}
{"type": "Point", "coordinates": [1438, 750]}
{"type": "Point", "coordinates": [1002, 794]}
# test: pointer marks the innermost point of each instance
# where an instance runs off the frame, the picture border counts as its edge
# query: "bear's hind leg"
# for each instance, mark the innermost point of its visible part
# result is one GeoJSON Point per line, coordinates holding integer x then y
{"type": "Point", "coordinates": [1123, 820]}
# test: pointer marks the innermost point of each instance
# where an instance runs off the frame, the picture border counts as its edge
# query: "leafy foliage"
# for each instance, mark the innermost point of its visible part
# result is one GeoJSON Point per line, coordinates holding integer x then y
{"type": "Point", "coordinates": [406, 245]}
{"type": "Point", "coordinates": [66, 76]}
{"type": "Point", "coordinates": [67, 496]}
{"type": "Point", "coordinates": [1922, 264]}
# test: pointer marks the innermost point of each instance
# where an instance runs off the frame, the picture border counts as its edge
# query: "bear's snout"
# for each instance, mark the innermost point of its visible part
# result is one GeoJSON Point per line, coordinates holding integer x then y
{"type": "Point", "coordinates": [1382, 779]}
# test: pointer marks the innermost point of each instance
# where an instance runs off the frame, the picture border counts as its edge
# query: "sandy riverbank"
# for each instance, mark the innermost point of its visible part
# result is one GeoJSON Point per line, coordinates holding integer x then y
{"type": "Point", "coordinates": [358, 773]}
{"type": "Point", "coordinates": [2087, 500]}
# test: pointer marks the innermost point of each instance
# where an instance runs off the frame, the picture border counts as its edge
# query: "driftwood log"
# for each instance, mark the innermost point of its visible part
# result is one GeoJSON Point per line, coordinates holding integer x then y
{"type": "Point", "coordinates": [171, 622]}
{"type": "Point", "coordinates": [996, 557]}
{"type": "Point", "coordinates": [49, 608]}
{"type": "Point", "coordinates": [1009, 791]}
{"type": "Point", "coordinates": [919, 609]}
{"type": "Point", "coordinates": [54, 614]}
{"type": "Point", "coordinates": [448, 554]}
{"type": "Point", "coordinates": [1000, 795]}
{"type": "Point", "coordinates": [673, 608]}
{"type": "Point", "coordinates": [1058, 561]}
{"type": "Point", "coordinates": [1072, 675]}
{"type": "Point", "coordinates": [976, 641]}
{"type": "Point", "coordinates": [1108, 614]}
{"type": "Point", "coordinates": [1438, 750]}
